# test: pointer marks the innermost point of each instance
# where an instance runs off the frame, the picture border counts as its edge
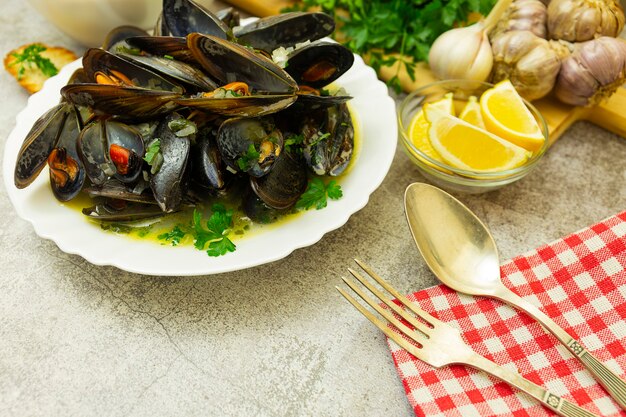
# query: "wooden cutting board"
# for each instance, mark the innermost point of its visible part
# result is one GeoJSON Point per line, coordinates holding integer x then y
{"type": "Point", "coordinates": [610, 115]}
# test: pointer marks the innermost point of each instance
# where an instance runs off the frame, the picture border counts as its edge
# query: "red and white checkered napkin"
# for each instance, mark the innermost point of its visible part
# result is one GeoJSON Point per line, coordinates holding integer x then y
{"type": "Point", "coordinates": [579, 281]}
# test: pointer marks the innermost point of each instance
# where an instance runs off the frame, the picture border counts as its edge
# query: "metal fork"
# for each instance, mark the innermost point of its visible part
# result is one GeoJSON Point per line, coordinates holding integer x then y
{"type": "Point", "coordinates": [439, 344]}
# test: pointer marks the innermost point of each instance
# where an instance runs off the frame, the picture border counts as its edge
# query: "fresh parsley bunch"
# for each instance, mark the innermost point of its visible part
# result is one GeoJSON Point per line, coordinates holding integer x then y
{"type": "Point", "coordinates": [403, 27]}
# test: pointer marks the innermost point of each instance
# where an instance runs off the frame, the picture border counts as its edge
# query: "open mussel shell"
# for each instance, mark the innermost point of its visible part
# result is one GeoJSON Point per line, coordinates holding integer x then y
{"type": "Point", "coordinates": [284, 184]}
{"type": "Point", "coordinates": [235, 138]}
{"type": "Point", "coordinates": [182, 17]}
{"type": "Point", "coordinates": [116, 38]}
{"type": "Point", "coordinates": [328, 155]}
{"type": "Point", "coordinates": [178, 70]}
{"type": "Point", "coordinates": [128, 103]}
{"type": "Point", "coordinates": [173, 46]}
{"type": "Point", "coordinates": [319, 64]}
{"type": "Point", "coordinates": [285, 30]}
{"type": "Point", "coordinates": [307, 103]}
{"type": "Point", "coordinates": [104, 67]}
{"type": "Point", "coordinates": [169, 184]}
{"type": "Point", "coordinates": [67, 173]}
{"type": "Point", "coordinates": [38, 144]}
{"type": "Point", "coordinates": [111, 149]}
{"type": "Point", "coordinates": [257, 210]}
{"type": "Point", "coordinates": [208, 169]}
{"type": "Point", "coordinates": [227, 62]}
{"type": "Point", "coordinates": [122, 211]}
{"type": "Point", "coordinates": [246, 106]}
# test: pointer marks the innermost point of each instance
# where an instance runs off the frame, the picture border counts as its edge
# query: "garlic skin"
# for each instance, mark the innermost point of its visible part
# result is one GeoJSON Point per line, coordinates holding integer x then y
{"type": "Point", "coordinates": [583, 20]}
{"type": "Point", "coordinates": [531, 15]}
{"type": "Point", "coordinates": [592, 72]}
{"type": "Point", "coordinates": [462, 53]}
{"type": "Point", "coordinates": [528, 61]}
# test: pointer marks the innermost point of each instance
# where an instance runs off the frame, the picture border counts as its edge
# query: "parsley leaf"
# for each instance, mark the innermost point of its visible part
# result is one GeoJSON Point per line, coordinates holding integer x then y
{"type": "Point", "coordinates": [31, 58]}
{"type": "Point", "coordinates": [216, 231]}
{"type": "Point", "coordinates": [295, 140]}
{"type": "Point", "coordinates": [317, 194]}
{"type": "Point", "coordinates": [247, 160]}
{"type": "Point", "coordinates": [320, 137]}
{"type": "Point", "coordinates": [153, 155]}
{"type": "Point", "coordinates": [174, 236]}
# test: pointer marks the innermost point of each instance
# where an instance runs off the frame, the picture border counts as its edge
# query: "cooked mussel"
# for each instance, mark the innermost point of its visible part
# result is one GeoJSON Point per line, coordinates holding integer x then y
{"type": "Point", "coordinates": [182, 17]}
{"type": "Point", "coordinates": [328, 140]}
{"type": "Point", "coordinates": [116, 38]}
{"type": "Point", "coordinates": [228, 62]}
{"type": "Point", "coordinates": [38, 144]}
{"type": "Point", "coordinates": [169, 184]}
{"type": "Point", "coordinates": [208, 168]}
{"type": "Point", "coordinates": [319, 63]}
{"type": "Point", "coordinates": [249, 144]}
{"type": "Point", "coordinates": [173, 46]}
{"type": "Point", "coordinates": [285, 30]}
{"type": "Point", "coordinates": [229, 15]}
{"type": "Point", "coordinates": [67, 173]}
{"type": "Point", "coordinates": [284, 184]}
{"type": "Point", "coordinates": [111, 149]}
{"type": "Point", "coordinates": [114, 189]}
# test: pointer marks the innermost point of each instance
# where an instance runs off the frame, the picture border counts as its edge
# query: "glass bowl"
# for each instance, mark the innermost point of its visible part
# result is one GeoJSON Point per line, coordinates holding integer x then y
{"type": "Point", "coordinates": [447, 176]}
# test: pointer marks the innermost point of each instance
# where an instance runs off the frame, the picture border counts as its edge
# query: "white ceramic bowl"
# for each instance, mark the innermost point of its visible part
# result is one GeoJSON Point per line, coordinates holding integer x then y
{"type": "Point", "coordinates": [88, 21]}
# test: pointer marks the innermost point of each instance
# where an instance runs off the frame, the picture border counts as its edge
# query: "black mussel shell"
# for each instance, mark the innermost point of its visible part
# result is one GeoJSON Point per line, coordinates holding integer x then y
{"type": "Point", "coordinates": [117, 36]}
{"type": "Point", "coordinates": [67, 173]}
{"type": "Point", "coordinates": [258, 211]}
{"type": "Point", "coordinates": [245, 106]}
{"type": "Point", "coordinates": [229, 16]}
{"type": "Point", "coordinates": [114, 189]}
{"type": "Point", "coordinates": [182, 17]}
{"type": "Point", "coordinates": [284, 184]}
{"type": "Point", "coordinates": [176, 47]}
{"type": "Point", "coordinates": [285, 30]}
{"type": "Point", "coordinates": [319, 64]}
{"type": "Point", "coordinates": [208, 168]}
{"type": "Point", "coordinates": [228, 62]}
{"type": "Point", "coordinates": [328, 140]}
{"type": "Point", "coordinates": [169, 184]}
{"type": "Point", "coordinates": [237, 137]}
{"type": "Point", "coordinates": [38, 144]}
{"type": "Point", "coordinates": [122, 211]}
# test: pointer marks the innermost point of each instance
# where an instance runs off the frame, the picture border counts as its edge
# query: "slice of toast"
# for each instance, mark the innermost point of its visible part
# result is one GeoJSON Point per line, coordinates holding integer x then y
{"type": "Point", "coordinates": [33, 78]}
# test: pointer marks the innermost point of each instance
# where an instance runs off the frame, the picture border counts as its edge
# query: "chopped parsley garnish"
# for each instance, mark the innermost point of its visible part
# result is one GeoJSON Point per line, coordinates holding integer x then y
{"type": "Point", "coordinates": [153, 155]}
{"type": "Point", "coordinates": [168, 57]}
{"type": "Point", "coordinates": [31, 58]}
{"type": "Point", "coordinates": [295, 140]}
{"type": "Point", "coordinates": [174, 236]}
{"type": "Point", "coordinates": [317, 194]}
{"type": "Point", "coordinates": [320, 138]}
{"type": "Point", "coordinates": [182, 127]}
{"type": "Point", "coordinates": [116, 228]}
{"type": "Point", "coordinates": [248, 160]}
{"type": "Point", "coordinates": [127, 50]}
{"type": "Point", "coordinates": [216, 231]}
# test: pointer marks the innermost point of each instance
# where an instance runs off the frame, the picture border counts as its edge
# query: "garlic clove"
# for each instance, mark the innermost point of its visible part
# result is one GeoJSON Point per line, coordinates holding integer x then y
{"type": "Point", "coordinates": [462, 53]}
{"type": "Point", "coordinates": [592, 72]}
{"type": "Point", "coordinates": [531, 15]}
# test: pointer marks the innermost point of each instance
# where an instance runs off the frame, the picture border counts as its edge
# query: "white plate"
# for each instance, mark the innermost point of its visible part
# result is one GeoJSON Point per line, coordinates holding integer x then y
{"type": "Point", "coordinates": [375, 113]}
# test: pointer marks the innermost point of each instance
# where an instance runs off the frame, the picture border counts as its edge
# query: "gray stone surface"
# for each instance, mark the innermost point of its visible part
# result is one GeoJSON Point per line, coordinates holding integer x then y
{"type": "Point", "coordinates": [276, 340]}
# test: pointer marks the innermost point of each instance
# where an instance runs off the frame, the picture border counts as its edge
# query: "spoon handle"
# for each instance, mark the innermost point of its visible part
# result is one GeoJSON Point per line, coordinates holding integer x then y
{"type": "Point", "coordinates": [614, 385]}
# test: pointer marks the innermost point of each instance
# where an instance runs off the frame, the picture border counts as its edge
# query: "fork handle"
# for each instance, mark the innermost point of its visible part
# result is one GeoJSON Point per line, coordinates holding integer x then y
{"type": "Point", "coordinates": [611, 382]}
{"type": "Point", "coordinates": [551, 401]}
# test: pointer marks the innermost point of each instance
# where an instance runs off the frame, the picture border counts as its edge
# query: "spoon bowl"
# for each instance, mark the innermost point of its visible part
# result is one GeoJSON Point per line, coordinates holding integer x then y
{"type": "Point", "coordinates": [455, 244]}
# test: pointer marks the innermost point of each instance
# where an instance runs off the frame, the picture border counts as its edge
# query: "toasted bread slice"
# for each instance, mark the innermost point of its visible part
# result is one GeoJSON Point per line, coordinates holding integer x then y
{"type": "Point", "coordinates": [33, 78]}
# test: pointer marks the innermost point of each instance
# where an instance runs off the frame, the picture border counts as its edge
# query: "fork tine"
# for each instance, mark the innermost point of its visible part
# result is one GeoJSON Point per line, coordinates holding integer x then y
{"type": "Point", "coordinates": [403, 343]}
{"type": "Point", "coordinates": [406, 316]}
{"type": "Point", "coordinates": [408, 303]}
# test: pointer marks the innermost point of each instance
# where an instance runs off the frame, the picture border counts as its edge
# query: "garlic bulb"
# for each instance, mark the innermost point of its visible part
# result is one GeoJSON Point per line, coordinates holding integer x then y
{"type": "Point", "coordinates": [529, 15]}
{"type": "Point", "coordinates": [582, 20]}
{"type": "Point", "coordinates": [527, 60]}
{"type": "Point", "coordinates": [462, 53]}
{"type": "Point", "coordinates": [592, 72]}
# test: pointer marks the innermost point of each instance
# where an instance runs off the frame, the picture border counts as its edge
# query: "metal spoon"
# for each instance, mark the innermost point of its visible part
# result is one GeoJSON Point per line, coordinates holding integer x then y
{"type": "Point", "coordinates": [461, 252]}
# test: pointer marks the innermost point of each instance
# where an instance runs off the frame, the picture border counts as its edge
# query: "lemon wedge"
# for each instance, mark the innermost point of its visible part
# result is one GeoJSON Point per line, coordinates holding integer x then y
{"type": "Point", "coordinates": [506, 115]}
{"type": "Point", "coordinates": [418, 129]}
{"type": "Point", "coordinates": [471, 113]}
{"type": "Point", "coordinates": [468, 147]}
